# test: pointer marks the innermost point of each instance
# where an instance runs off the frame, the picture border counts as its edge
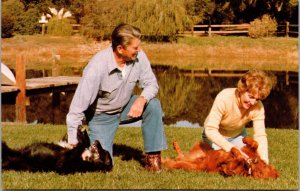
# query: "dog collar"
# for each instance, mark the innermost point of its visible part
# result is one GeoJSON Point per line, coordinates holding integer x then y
{"type": "Point", "coordinates": [249, 161]}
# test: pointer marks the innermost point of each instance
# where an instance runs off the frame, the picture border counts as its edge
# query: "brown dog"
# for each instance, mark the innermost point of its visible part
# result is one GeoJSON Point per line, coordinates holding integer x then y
{"type": "Point", "coordinates": [202, 158]}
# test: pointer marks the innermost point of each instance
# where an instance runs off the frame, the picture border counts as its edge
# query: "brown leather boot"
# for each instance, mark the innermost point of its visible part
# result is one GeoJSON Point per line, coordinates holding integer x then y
{"type": "Point", "coordinates": [153, 161]}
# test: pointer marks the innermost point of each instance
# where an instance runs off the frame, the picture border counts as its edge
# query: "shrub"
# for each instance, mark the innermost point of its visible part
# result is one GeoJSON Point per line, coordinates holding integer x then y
{"type": "Point", "coordinates": [59, 27]}
{"type": "Point", "coordinates": [7, 26]}
{"type": "Point", "coordinates": [27, 22]}
{"type": "Point", "coordinates": [264, 27]}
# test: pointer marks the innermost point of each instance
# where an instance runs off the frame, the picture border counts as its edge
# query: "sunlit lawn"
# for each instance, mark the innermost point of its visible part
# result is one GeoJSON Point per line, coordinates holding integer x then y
{"type": "Point", "coordinates": [129, 174]}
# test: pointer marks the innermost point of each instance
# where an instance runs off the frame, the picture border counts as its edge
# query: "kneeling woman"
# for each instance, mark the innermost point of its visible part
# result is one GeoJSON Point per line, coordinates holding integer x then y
{"type": "Point", "coordinates": [224, 126]}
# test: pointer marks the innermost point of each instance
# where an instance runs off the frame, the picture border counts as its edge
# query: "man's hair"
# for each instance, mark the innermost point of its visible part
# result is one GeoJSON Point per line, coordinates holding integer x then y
{"type": "Point", "coordinates": [123, 34]}
{"type": "Point", "coordinates": [257, 82]}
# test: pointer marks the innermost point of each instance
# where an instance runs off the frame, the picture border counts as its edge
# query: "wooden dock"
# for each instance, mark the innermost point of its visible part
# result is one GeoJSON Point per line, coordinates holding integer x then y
{"type": "Point", "coordinates": [44, 84]}
{"type": "Point", "coordinates": [20, 96]}
{"type": "Point", "coordinates": [19, 93]}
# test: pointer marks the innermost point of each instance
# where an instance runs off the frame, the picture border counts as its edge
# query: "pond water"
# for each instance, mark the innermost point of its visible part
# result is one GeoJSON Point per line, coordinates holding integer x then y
{"type": "Point", "coordinates": [186, 101]}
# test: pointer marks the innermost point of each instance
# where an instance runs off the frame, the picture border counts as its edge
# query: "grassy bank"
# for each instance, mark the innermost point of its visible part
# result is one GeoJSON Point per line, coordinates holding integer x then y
{"type": "Point", "coordinates": [228, 53]}
{"type": "Point", "coordinates": [129, 174]}
{"type": "Point", "coordinates": [190, 52]}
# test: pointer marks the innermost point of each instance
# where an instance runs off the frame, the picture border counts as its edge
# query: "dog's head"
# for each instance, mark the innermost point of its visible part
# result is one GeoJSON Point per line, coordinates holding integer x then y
{"type": "Point", "coordinates": [94, 154]}
{"type": "Point", "coordinates": [259, 169]}
{"type": "Point", "coordinates": [84, 157]}
{"type": "Point", "coordinates": [254, 166]}
{"type": "Point", "coordinates": [235, 164]}
{"type": "Point", "coordinates": [98, 157]}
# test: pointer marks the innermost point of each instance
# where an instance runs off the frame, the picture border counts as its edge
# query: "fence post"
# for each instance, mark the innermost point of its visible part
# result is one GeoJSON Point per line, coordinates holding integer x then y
{"type": "Point", "coordinates": [55, 65]}
{"type": "Point", "coordinates": [287, 29]}
{"type": "Point", "coordinates": [287, 82]}
{"type": "Point", "coordinates": [209, 26]}
{"type": "Point", "coordinates": [193, 30]}
{"type": "Point", "coordinates": [55, 94]}
{"type": "Point", "coordinates": [21, 83]}
{"type": "Point", "coordinates": [209, 31]}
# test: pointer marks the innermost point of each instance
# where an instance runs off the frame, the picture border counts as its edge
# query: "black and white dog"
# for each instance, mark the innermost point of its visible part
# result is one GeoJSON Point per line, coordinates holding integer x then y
{"type": "Point", "coordinates": [48, 157]}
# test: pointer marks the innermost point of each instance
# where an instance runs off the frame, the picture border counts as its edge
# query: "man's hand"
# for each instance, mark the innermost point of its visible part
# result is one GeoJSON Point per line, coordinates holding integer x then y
{"type": "Point", "coordinates": [137, 107]}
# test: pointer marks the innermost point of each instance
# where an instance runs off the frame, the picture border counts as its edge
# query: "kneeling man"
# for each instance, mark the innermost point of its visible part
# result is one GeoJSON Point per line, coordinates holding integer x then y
{"type": "Point", "coordinates": [104, 96]}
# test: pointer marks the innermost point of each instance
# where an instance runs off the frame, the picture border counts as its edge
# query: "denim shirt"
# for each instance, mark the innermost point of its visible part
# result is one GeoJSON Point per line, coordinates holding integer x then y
{"type": "Point", "coordinates": [102, 89]}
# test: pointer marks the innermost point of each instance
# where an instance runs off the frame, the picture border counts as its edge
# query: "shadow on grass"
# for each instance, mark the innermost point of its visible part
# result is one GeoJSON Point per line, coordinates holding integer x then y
{"type": "Point", "coordinates": [128, 153]}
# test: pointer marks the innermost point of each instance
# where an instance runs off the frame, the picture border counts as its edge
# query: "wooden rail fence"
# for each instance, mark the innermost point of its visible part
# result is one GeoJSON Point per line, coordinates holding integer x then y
{"type": "Point", "coordinates": [286, 77]}
{"type": "Point", "coordinates": [225, 29]}
{"type": "Point", "coordinates": [286, 29]}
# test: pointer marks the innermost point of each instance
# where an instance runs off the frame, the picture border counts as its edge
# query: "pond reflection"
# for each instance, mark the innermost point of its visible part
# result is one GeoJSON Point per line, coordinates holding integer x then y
{"type": "Point", "coordinates": [185, 100]}
{"type": "Point", "coordinates": [190, 99]}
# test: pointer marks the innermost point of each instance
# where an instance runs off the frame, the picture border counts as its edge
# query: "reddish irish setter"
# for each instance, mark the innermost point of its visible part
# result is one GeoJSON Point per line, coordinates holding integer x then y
{"type": "Point", "coordinates": [202, 158]}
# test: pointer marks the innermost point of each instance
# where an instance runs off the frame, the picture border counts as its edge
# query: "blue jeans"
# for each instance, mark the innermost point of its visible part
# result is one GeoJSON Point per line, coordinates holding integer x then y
{"type": "Point", "coordinates": [237, 140]}
{"type": "Point", "coordinates": [103, 126]}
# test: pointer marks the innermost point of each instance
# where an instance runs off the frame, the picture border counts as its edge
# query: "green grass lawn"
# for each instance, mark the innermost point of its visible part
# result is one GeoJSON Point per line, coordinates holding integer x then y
{"type": "Point", "coordinates": [129, 174]}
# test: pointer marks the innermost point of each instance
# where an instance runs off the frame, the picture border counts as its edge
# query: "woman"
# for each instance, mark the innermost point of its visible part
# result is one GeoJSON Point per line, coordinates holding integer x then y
{"type": "Point", "coordinates": [224, 126]}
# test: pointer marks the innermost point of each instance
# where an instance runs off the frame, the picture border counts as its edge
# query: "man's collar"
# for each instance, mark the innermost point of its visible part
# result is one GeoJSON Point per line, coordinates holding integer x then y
{"type": "Point", "coordinates": [113, 65]}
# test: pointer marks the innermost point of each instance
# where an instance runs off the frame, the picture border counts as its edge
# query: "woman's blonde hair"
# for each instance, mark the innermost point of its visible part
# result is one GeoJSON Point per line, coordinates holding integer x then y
{"type": "Point", "coordinates": [257, 82]}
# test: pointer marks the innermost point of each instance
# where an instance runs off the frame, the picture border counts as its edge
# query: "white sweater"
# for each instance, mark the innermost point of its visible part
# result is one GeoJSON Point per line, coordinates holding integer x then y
{"type": "Point", "coordinates": [226, 120]}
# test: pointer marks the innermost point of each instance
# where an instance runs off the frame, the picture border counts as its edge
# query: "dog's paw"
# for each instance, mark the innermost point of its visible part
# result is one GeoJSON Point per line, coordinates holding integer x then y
{"type": "Point", "coordinates": [64, 144]}
{"type": "Point", "coordinates": [251, 143]}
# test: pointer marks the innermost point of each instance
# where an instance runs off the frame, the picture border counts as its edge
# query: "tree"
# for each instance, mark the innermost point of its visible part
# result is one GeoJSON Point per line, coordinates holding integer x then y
{"type": "Point", "coordinates": [245, 11]}
{"type": "Point", "coordinates": [77, 9]}
{"type": "Point", "coordinates": [24, 21]}
{"type": "Point", "coordinates": [11, 11]}
{"type": "Point", "coordinates": [101, 16]}
{"type": "Point", "coordinates": [157, 19]}
{"type": "Point", "coordinates": [160, 18]}
{"type": "Point", "coordinates": [27, 22]}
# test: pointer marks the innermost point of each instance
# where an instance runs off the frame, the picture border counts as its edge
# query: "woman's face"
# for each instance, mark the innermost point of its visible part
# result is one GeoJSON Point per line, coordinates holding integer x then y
{"type": "Point", "coordinates": [248, 100]}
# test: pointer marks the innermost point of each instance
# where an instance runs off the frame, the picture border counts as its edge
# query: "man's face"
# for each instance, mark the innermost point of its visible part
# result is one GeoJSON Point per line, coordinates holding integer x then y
{"type": "Point", "coordinates": [130, 52]}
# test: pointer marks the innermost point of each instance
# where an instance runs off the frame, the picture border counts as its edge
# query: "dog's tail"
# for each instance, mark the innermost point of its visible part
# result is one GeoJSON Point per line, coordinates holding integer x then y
{"type": "Point", "coordinates": [6, 151]}
{"type": "Point", "coordinates": [7, 155]}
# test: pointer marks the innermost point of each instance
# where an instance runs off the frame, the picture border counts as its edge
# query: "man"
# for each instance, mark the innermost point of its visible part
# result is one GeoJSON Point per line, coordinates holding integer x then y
{"type": "Point", "coordinates": [104, 96]}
